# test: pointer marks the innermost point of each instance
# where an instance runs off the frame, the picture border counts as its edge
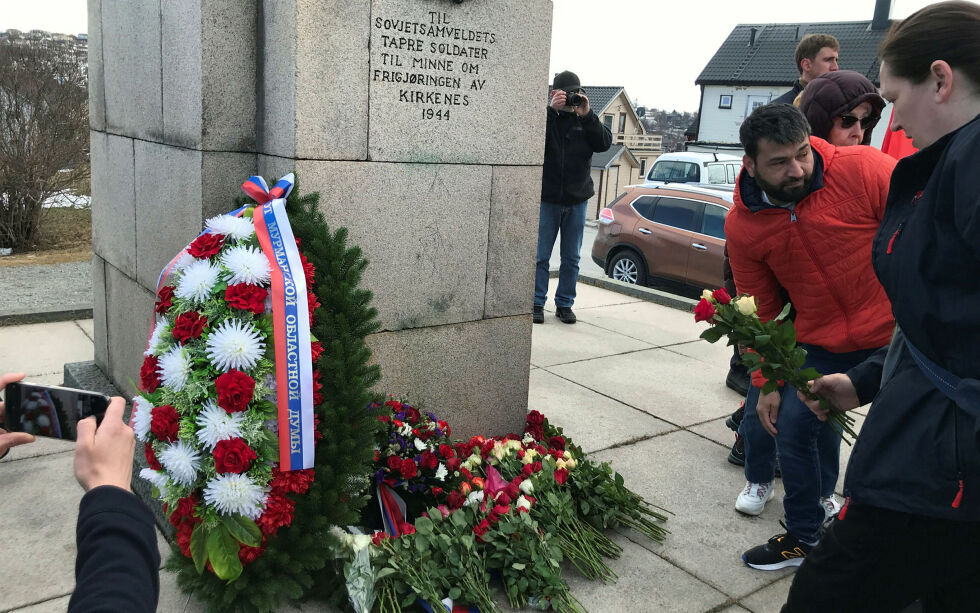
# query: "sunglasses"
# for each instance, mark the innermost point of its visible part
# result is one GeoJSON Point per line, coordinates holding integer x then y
{"type": "Point", "coordinates": [847, 121]}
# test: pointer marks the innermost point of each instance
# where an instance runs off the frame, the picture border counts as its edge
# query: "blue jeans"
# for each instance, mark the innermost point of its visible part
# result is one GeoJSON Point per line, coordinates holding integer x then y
{"type": "Point", "coordinates": [569, 220]}
{"type": "Point", "coordinates": [809, 449]}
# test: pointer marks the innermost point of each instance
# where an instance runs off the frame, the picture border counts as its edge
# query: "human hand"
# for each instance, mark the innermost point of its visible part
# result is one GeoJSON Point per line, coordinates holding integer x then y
{"type": "Point", "coordinates": [582, 109]}
{"type": "Point", "coordinates": [558, 97]}
{"type": "Point", "coordinates": [768, 410]}
{"type": "Point", "coordinates": [837, 388]}
{"type": "Point", "coordinates": [11, 439]}
{"type": "Point", "coordinates": [104, 456]}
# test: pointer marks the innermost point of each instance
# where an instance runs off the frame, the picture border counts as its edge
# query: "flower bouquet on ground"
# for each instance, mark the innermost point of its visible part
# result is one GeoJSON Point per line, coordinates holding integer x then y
{"type": "Point", "coordinates": [772, 344]}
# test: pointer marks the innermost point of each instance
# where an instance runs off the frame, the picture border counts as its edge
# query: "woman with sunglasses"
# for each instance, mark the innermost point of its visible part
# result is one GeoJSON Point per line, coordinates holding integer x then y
{"type": "Point", "coordinates": [842, 107]}
{"type": "Point", "coordinates": [910, 529]}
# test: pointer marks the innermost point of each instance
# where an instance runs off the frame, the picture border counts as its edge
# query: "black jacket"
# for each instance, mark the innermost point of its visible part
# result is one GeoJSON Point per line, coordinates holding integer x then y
{"type": "Point", "coordinates": [117, 566]}
{"type": "Point", "coordinates": [789, 96]}
{"type": "Point", "coordinates": [918, 451]}
{"type": "Point", "coordinates": [569, 143]}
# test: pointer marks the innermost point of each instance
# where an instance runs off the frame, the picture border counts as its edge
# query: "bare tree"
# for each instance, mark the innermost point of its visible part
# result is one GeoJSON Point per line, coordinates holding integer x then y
{"type": "Point", "coordinates": [43, 130]}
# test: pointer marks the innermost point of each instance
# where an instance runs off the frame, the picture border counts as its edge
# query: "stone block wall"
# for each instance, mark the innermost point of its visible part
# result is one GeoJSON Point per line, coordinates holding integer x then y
{"type": "Point", "coordinates": [421, 124]}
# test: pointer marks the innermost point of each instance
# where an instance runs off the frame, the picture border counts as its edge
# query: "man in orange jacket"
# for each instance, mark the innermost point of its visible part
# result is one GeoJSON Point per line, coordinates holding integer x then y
{"type": "Point", "coordinates": [804, 218]}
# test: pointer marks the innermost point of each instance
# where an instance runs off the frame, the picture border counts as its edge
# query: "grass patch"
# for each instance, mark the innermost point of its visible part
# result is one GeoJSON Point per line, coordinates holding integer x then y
{"type": "Point", "coordinates": [65, 235]}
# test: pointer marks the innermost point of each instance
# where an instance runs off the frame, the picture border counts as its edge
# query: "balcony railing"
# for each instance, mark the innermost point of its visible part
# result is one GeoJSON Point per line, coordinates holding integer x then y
{"type": "Point", "coordinates": [640, 142]}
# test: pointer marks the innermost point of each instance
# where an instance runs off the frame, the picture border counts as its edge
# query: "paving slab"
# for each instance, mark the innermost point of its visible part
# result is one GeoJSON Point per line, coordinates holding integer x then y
{"type": "Point", "coordinates": [712, 353]}
{"type": "Point", "coordinates": [87, 326]}
{"type": "Point", "coordinates": [675, 388]}
{"type": "Point", "coordinates": [554, 342]}
{"type": "Point", "coordinates": [54, 605]}
{"type": "Point", "coordinates": [43, 348]}
{"type": "Point", "coordinates": [588, 297]}
{"type": "Point", "coordinates": [592, 420]}
{"type": "Point", "coordinates": [769, 599]}
{"type": "Point", "coordinates": [42, 291]}
{"type": "Point", "coordinates": [647, 322]}
{"type": "Point", "coordinates": [734, 609]}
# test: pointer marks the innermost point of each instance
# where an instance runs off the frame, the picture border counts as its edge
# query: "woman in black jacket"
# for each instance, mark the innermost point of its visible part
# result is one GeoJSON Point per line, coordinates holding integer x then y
{"type": "Point", "coordinates": [910, 529]}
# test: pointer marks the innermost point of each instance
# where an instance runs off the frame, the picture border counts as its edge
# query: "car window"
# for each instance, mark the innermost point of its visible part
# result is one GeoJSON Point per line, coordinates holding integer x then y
{"type": "Point", "coordinates": [683, 214]}
{"type": "Point", "coordinates": [644, 205]}
{"type": "Point", "coordinates": [716, 173]}
{"type": "Point", "coordinates": [678, 172]}
{"type": "Point", "coordinates": [732, 171]}
{"type": "Point", "coordinates": [714, 221]}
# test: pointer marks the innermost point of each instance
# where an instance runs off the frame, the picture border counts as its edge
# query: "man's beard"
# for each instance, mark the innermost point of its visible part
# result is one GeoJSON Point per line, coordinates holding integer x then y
{"type": "Point", "coordinates": [786, 192]}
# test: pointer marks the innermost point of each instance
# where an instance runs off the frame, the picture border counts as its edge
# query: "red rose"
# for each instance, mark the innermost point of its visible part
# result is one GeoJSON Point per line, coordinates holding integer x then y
{"type": "Point", "coordinates": [534, 418]}
{"type": "Point", "coordinates": [408, 468]}
{"type": "Point", "coordinates": [412, 414]}
{"type": "Point", "coordinates": [437, 491]}
{"type": "Point", "coordinates": [535, 431]}
{"type": "Point", "coordinates": [184, 532]}
{"type": "Point", "coordinates": [394, 463]}
{"type": "Point", "coordinates": [206, 245]}
{"type": "Point", "coordinates": [501, 509]}
{"type": "Point", "coordinates": [246, 297]}
{"type": "Point", "coordinates": [316, 350]}
{"type": "Point", "coordinates": [557, 442]}
{"type": "Point", "coordinates": [721, 296]}
{"type": "Point", "coordinates": [704, 311]}
{"type": "Point", "coordinates": [317, 386]}
{"type": "Point", "coordinates": [406, 528]}
{"type": "Point", "coordinates": [446, 430]}
{"type": "Point", "coordinates": [165, 298]}
{"type": "Point", "coordinates": [378, 537]}
{"type": "Point", "coordinates": [164, 423]}
{"type": "Point", "coordinates": [189, 325]}
{"type": "Point", "coordinates": [503, 499]}
{"type": "Point", "coordinates": [487, 448]}
{"type": "Point", "coordinates": [185, 509]}
{"type": "Point", "coordinates": [292, 481]}
{"type": "Point", "coordinates": [232, 456]}
{"type": "Point", "coordinates": [561, 476]}
{"type": "Point", "coordinates": [278, 513]}
{"type": "Point", "coordinates": [455, 500]}
{"type": "Point", "coordinates": [247, 555]}
{"type": "Point", "coordinates": [512, 490]}
{"type": "Point", "coordinates": [151, 458]}
{"type": "Point", "coordinates": [528, 470]}
{"type": "Point", "coordinates": [536, 467]}
{"type": "Point", "coordinates": [480, 529]}
{"type": "Point", "coordinates": [429, 460]}
{"type": "Point", "coordinates": [149, 377]}
{"type": "Point", "coordinates": [453, 464]}
{"type": "Point", "coordinates": [446, 451]}
{"type": "Point", "coordinates": [235, 390]}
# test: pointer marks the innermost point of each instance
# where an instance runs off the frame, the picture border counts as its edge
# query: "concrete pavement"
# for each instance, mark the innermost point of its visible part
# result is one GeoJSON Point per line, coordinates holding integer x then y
{"type": "Point", "coordinates": [630, 382]}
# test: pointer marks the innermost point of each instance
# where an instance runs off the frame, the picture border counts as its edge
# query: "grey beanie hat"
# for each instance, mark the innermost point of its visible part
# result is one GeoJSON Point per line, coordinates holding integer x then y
{"type": "Point", "coordinates": [567, 81]}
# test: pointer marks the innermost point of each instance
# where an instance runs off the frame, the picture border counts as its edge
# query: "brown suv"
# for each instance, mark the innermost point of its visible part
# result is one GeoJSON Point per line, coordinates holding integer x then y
{"type": "Point", "coordinates": [674, 232]}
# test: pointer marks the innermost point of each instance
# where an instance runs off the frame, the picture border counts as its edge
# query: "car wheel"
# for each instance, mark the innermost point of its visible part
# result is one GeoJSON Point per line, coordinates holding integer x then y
{"type": "Point", "coordinates": [628, 268]}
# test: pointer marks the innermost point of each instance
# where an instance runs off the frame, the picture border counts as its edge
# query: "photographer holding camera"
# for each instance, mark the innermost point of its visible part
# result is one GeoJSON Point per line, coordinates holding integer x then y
{"type": "Point", "coordinates": [572, 135]}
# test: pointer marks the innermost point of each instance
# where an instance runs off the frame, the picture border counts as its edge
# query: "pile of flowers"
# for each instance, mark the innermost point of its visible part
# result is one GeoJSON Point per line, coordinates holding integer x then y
{"type": "Point", "coordinates": [207, 409]}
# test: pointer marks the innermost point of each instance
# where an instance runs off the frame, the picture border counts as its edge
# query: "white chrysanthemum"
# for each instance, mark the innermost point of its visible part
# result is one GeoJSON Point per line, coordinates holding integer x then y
{"type": "Point", "coordinates": [142, 416]}
{"type": "Point", "coordinates": [235, 344]}
{"type": "Point", "coordinates": [232, 493]}
{"type": "Point", "coordinates": [238, 228]}
{"type": "Point", "coordinates": [181, 461]}
{"type": "Point", "coordinates": [184, 261]}
{"type": "Point", "coordinates": [215, 424]}
{"type": "Point", "coordinates": [441, 472]}
{"type": "Point", "coordinates": [174, 367]}
{"type": "Point", "coordinates": [198, 280]}
{"type": "Point", "coordinates": [420, 444]}
{"type": "Point", "coordinates": [157, 478]}
{"type": "Point", "coordinates": [156, 336]}
{"type": "Point", "coordinates": [247, 265]}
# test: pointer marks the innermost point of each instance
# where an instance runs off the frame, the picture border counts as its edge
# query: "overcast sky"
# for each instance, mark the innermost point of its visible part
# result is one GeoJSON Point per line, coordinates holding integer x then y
{"type": "Point", "coordinates": [654, 49]}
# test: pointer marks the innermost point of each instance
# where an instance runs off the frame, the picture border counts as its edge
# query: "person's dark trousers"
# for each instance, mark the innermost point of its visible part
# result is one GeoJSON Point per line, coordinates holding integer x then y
{"type": "Point", "coordinates": [760, 446]}
{"type": "Point", "coordinates": [877, 560]}
{"type": "Point", "coordinates": [569, 221]}
{"type": "Point", "coordinates": [809, 449]}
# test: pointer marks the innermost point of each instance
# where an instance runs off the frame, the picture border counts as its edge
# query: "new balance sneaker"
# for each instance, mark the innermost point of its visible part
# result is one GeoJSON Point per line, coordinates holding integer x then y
{"type": "Point", "coordinates": [737, 455]}
{"type": "Point", "coordinates": [830, 509]}
{"type": "Point", "coordinates": [754, 498]}
{"type": "Point", "coordinates": [537, 315]}
{"type": "Point", "coordinates": [782, 551]}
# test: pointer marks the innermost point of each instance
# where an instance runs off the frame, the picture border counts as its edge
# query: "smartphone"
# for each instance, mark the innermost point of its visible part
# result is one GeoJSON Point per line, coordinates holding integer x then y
{"type": "Point", "coordinates": [49, 410]}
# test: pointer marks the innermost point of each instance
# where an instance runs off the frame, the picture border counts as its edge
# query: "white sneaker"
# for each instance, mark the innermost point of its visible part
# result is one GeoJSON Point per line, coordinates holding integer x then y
{"type": "Point", "coordinates": [754, 498]}
{"type": "Point", "coordinates": [830, 508]}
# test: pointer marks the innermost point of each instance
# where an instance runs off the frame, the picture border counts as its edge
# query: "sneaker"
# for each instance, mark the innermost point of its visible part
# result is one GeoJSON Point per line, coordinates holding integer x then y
{"type": "Point", "coordinates": [782, 551]}
{"type": "Point", "coordinates": [735, 419]}
{"type": "Point", "coordinates": [754, 498]}
{"type": "Point", "coordinates": [565, 315]}
{"type": "Point", "coordinates": [738, 379]}
{"type": "Point", "coordinates": [537, 315]}
{"type": "Point", "coordinates": [737, 455]}
{"type": "Point", "coordinates": [830, 509]}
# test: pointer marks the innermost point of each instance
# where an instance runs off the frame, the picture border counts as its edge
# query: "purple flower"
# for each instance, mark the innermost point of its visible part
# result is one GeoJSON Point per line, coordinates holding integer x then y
{"type": "Point", "coordinates": [379, 476]}
{"type": "Point", "coordinates": [400, 415]}
{"type": "Point", "coordinates": [431, 416]}
{"type": "Point", "coordinates": [438, 432]}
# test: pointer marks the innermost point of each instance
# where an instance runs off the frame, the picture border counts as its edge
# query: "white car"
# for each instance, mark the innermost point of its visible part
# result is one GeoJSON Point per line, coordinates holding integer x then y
{"type": "Point", "coordinates": [691, 167]}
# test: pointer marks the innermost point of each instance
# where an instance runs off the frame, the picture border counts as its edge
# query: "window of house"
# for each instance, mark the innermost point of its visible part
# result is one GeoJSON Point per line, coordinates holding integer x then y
{"type": "Point", "coordinates": [622, 122]}
{"type": "Point", "coordinates": [643, 166]}
{"type": "Point", "coordinates": [679, 213]}
{"type": "Point", "coordinates": [607, 119]}
{"type": "Point", "coordinates": [714, 221]}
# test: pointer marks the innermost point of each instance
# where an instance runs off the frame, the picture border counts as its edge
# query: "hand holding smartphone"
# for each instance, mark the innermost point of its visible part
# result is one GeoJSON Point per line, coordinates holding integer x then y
{"type": "Point", "coordinates": [49, 410]}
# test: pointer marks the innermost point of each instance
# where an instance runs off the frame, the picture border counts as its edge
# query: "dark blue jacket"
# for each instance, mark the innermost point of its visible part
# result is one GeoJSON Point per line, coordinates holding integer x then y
{"type": "Point", "coordinates": [918, 452]}
{"type": "Point", "coordinates": [569, 143]}
{"type": "Point", "coordinates": [789, 96]}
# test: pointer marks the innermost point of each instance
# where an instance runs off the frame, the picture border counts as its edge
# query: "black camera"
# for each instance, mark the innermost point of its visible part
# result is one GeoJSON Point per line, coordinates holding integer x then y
{"type": "Point", "coordinates": [574, 99]}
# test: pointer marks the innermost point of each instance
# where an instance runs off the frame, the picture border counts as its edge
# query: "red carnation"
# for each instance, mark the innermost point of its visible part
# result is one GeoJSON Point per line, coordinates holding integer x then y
{"type": "Point", "coordinates": [278, 513]}
{"type": "Point", "coordinates": [164, 423]}
{"type": "Point", "coordinates": [189, 325]}
{"type": "Point", "coordinates": [292, 481]}
{"type": "Point", "coordinates": [309, 271]}
{"type": "Point", "coordinates": [409, 468]}
{"type": "Point", "coordinates": [455, 500]}
{"type": "Point", "coordinates": [429, 460]}
{"type": "Point", "coordinates": [149, 377]}
{"type": "Point", "coordinates": [185, 509]}
{"type": "Point", "coordinates": [412, 414]}
{"type": "Point", "coordinates": [151, 458]}
{"type": "Point", "coordinates": [453, 464]}
{"type": "Point", "coordinates": [312, 303]}
{"type": "Point", "coordinates": [704, 311]}
{"type": "Point", "coordinates": [561, 476]}
{"type": "Point", "coordinates": [384, 419]}
{"type": "Point", "coordinates": [232, 456]}
{"type": "Point", "coordinates": [235, 390]}
{"type": "Point", "coordinates": [721, 296]}
{"type": "Point", "coordinates": [534, 418]}
{"type": "Point", "coordinates": [437, 491]}
{"type": "Point", "coordinates": [247, 554]}
{"type": "Point", "coordinates": [406, 528]}
{"type": "Point", "coordinates": [446, 430]}
{"type": "Point", "coordinates": [317, 386]}
{"type": "Point", "coordinates": [246, 297]}
{"type": "Point", "coordinates": [184, 532]}
{"type": "Point", "coordinates": [394, 463]}
{"type": "Point", "coordinates": [446, 451]}
{"type": "Point", "coordinates": [557, 442]}
{"type": "Point", "coordinates": [165, 298]}
{"type": "Point", "coordinates": [316, 350]}
{"type": "Point", "coordinates": [206, 245]}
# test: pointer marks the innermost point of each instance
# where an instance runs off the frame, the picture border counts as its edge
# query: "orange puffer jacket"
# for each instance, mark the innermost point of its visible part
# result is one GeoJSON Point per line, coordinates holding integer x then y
{"type": "Point", "coordinates": [819, 251]}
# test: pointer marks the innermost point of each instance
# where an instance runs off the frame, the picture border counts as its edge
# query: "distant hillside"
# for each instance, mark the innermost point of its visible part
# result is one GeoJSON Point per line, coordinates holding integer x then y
{"type": "Point", "coordinates": [670, 124]}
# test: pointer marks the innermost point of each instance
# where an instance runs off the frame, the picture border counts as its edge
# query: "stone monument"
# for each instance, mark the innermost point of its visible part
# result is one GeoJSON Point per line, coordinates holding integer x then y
{"type": "Point", "coordinates": [419, 122]}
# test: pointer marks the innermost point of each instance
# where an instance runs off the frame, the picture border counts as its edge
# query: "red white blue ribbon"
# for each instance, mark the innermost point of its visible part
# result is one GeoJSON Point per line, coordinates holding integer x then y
{"type": "Point", "coordinates": [291, 323]}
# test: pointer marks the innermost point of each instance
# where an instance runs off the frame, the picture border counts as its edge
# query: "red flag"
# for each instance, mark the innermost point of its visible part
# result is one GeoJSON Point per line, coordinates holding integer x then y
{"type": "Point", "coordinates": [896, 144]}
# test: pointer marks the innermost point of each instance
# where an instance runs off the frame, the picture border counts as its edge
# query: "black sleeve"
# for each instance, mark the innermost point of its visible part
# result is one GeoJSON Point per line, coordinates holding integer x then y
{"type": "Point", "coordinates": [117, 567]}
{"type": "Point", "coordinates": [600, 138]}
{"type": "Point", "coordinates": [866, 376]}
